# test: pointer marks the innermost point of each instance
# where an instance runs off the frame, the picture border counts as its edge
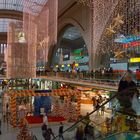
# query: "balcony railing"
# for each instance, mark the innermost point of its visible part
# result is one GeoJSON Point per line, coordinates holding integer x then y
{"type": "Point", "coordinates": [98, 78]}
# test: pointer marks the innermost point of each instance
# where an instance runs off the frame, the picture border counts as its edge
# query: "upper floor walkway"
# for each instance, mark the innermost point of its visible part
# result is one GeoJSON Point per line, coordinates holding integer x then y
{"type": "Point", "coordinates": [109, 82]}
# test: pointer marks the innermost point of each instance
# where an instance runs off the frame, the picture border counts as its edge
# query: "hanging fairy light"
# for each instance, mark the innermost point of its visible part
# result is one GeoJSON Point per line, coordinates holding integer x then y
{"type": "Point", "coordinates": [122, 25]}
{"type": "Point", "coordinates": [85, 2]}
{"type": "Point", "coordinates": [112, 28]}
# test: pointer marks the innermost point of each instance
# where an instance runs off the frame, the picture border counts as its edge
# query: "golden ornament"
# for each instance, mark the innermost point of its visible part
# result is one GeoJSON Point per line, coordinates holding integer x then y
{"type": "Point", "coordinates": [119, 54]}
{"type": "Point", "coordinates": [110, 30]}
{"type": "Point", "coordinates": [118, 20]}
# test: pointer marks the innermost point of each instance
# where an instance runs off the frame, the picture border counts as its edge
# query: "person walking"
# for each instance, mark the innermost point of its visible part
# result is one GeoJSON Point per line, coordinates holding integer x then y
{"type": "Point", "coordinates": [61, 131]}
{"type": "Point", "coordinates": [102, 110]}
{"type": "Point", "coordinates": [45, 119]}
{"type": "Point", "coordinates": [97, 107]}
{"type": "Point", "coordinates": [0, 126]}
{"type": "Point", "coordinates": [51, 133]}
{"type": "Point", "coordinates": [44, 129]}
{"type": "Point", "coordinates": [48, 134]}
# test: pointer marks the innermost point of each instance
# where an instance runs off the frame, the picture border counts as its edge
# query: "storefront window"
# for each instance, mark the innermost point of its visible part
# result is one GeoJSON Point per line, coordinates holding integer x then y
{"type": "Point", "coordinates": [71, 50]}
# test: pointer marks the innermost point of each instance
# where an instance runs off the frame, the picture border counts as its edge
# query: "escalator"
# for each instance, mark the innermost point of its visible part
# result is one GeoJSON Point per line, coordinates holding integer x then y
{"type": "Point", "coordinates": [123, 126]}
{"type": "Point", "coordinates": [123, 136]}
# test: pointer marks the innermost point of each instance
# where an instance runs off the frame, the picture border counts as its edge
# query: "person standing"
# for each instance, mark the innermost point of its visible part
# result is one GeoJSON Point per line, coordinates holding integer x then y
{"type": "Point", "coordinates": [44, 130]}
{"type": "Point", "coordinates": [80, 133]}
{"type": "Point", "coordinates": [61, 131]}
{"type": "Point", "coordinates": [45, 120]}
{"type": "Point", "coordinates": [86, 131]}
{"type": "Point", "coordinates": [94, 102]}
{"type": "Point", "coordinates": [126, 90]}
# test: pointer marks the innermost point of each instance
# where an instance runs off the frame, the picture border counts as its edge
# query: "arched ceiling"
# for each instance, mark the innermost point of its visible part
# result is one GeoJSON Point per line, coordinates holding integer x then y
{"type": "Point", "coordinates": [11, 10]}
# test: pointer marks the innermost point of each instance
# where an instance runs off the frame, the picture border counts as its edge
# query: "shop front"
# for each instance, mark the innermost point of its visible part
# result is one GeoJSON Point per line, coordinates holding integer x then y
{"type": "Point", "coordinates": [91, 96]}
{"type": "Point", "coordinates": [71, 53]}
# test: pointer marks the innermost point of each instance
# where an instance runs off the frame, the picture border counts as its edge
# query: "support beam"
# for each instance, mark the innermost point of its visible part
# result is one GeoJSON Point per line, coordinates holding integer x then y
{"type": "Point", "coordinates": [3, 37]}
{"type": "Point", "coordinates": [12, 14]}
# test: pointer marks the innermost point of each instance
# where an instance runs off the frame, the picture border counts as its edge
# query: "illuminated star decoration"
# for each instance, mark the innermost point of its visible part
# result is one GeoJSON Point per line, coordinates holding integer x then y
{"type": "Point", "coordinates": [110, 30]}
{"type": "Point", "coordinates": [118, 20]}
{"type": "Point", "coordinates": [119, 54]}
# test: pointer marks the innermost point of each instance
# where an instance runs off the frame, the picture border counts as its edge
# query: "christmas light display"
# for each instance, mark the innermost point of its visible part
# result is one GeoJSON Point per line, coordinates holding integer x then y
{"type": "Point", "coordinates": [85, 2]}
{"type": "Point", "coordinates": [121, 29]}
{"type": "Point", "coordinates": [31, 39]}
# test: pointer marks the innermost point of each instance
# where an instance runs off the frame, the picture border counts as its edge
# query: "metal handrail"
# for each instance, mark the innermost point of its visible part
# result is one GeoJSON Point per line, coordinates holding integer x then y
{"type": "Point", "coordinates": [117, 133]}
{"type": "Point", "coordinates": [84, 117]}
{"type": "Point", "coordinates": [88, 114]}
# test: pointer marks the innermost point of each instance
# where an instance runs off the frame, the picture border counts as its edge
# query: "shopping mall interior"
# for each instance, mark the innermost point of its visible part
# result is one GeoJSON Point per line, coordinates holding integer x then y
{"type": "Point", "coordinates": [70, 69]}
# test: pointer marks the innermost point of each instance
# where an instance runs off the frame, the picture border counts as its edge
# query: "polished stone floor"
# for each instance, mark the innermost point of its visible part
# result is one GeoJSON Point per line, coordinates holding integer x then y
{"type": "Point", "coordinates": [8, 133]}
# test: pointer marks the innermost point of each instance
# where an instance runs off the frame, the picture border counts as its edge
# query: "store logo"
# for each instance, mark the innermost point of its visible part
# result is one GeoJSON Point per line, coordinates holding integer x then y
{"type": "Point", "coordinates": [132, 44]}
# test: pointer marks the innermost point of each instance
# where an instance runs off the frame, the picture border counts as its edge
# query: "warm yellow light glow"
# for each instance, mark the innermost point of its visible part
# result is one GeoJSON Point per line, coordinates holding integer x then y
{"type": "Point", "coordinates": [62, 66]}
{"type": "Point", "coordinates": [56, 66]}
{"type": "Point", "coordinates": [77, 65]}
{"type": "Point", "coordinates": [134, 60]}
{"type": "Point", "coordinates": [21, 37]}
{"type": "Point", "coordinates": [68, 65]}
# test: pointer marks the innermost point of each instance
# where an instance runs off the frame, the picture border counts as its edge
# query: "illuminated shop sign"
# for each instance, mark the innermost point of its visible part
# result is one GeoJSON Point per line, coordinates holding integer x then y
{"type": "Point", "coordinates": [135, 60]}
{"type": "Point", "coordinates": [131, 44]}
{"type": "Point", "coordinates": [66, 56]}
{"type": "Point", "coordinates": [123, 39]}
{"type": "Point", "coordinates": [78, 51]}
{"type": "Point", "coordinates": [78, 57]}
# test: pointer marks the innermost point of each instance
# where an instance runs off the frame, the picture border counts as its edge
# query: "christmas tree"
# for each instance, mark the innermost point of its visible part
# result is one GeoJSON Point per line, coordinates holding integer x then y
{"type": "Point", "coordinates": [24, 134]}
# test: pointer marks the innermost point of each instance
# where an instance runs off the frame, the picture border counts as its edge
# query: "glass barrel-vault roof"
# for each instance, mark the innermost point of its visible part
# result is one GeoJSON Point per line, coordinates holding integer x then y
{"type": "Point", "coordinates": [35, 7]}
{"type": "Point", "coordinates": [4, 22]}
{"type": "Point", "coordinates": [17, 5]}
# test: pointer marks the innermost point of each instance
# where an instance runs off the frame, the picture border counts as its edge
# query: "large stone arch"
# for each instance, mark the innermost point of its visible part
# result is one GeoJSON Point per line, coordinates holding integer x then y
{"type": "Point", "coordinates": [62, 26]}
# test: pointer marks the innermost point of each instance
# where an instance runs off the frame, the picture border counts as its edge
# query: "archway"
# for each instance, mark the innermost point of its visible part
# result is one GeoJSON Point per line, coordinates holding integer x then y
{"type": "Point", "coordinates": [14, 94]}
{"type": "Point", "coordinates": [71, 48]}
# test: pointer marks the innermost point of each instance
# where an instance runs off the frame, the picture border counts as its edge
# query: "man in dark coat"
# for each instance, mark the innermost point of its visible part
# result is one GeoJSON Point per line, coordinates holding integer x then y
{"type": "Point", "coordinates": [127, 89]}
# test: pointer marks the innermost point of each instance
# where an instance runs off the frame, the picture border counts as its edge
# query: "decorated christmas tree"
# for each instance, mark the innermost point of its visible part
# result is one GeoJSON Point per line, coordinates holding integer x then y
{"type": "Point", "coordinates": [56, 108]}
{"type": "Point", "coordinates": [72, 112]}
{"type": "Point", "coordinates": [24, 134]}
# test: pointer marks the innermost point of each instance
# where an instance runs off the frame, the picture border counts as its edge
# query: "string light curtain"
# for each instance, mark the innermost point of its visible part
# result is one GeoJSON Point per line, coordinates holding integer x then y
{"type": "Point", "coordinates": [101, 11]}
{"type": "Point", "coordinates": [16, 51]}
{"type": "Point", "coordinates": [122, 25]}
{"type": "Point", "coordinates": [112, 21]}
{"type": "Point", "coordinates": [37, 34]}
{"type": "Point", "coordinates": [46, 31]}
{"type": "Point", "coordinates": [30, 31]}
